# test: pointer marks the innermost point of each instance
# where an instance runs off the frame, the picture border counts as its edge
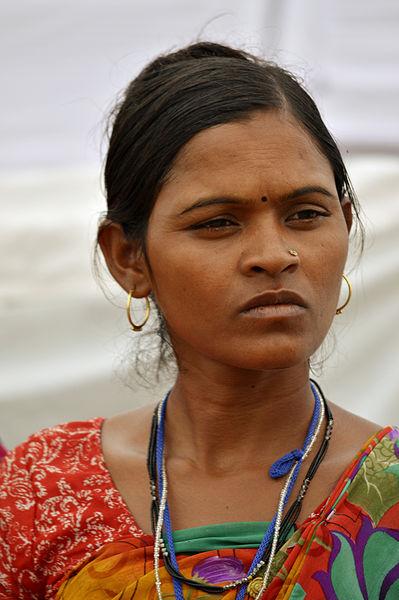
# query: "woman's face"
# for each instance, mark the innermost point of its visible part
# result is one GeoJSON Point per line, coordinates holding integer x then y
{"type": "Point", "coordinates": [240, 196]}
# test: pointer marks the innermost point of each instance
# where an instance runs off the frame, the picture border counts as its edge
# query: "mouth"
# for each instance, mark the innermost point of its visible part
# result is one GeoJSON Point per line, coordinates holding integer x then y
{"type": "Point", "coordinates": [277, 303]}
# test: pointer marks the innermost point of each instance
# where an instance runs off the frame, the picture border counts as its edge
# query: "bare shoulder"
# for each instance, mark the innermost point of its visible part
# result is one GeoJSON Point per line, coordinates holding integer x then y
{"type": "Point", "coordinates": [351, 431]}
{"type": "Point", "coordinates": [124, 443]}
{"type": "Point", "coordinates": [354, 421]}
{"type": "Point", "coordinates": [129, 431]}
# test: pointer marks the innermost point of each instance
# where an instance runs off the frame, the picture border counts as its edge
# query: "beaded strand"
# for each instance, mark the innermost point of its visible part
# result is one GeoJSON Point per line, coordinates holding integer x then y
{"type": "Point", "coordinates": [314, 428]}
{"type": "Point", "coordinates": [280, 527]}
{"type": "Point", "coordinates": [158, 542]}
{"type": "Point", "coordinates": [286, 492]}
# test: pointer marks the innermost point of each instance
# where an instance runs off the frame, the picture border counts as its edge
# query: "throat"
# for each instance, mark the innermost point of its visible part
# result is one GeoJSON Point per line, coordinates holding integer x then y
{"type": "Point", "coordinates": [219, 434]}
{"type": "Point", "coordinates": [182, 470]}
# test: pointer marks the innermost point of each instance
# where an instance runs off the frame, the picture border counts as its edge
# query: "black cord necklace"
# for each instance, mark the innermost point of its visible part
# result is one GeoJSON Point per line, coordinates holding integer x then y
{"type": "Point", "coordinates": [288, 521]}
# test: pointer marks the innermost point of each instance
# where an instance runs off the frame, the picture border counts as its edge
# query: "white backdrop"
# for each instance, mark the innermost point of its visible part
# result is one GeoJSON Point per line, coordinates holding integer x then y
{"type": "Point", "coordinates": [61, 341]}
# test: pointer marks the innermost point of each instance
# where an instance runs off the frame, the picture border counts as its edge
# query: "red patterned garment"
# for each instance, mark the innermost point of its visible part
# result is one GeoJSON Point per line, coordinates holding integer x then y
{"type": "Point", "coordinates": [58, 504]}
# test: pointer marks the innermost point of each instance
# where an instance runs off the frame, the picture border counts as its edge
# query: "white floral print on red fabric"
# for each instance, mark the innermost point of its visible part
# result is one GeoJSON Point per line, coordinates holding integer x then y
{"type": "Point", "coordinates": [58, 504]}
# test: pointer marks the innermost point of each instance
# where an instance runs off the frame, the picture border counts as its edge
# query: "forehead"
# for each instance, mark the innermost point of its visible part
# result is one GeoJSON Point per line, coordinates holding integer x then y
{"type": "Point", "coordinates": [267, 153]}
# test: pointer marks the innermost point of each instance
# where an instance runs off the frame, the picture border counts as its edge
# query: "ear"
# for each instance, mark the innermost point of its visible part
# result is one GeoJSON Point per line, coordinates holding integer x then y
{"type": "Point", "coordinates": [346, 206]}
{"type": "Point", "coordinates": [125, 260]}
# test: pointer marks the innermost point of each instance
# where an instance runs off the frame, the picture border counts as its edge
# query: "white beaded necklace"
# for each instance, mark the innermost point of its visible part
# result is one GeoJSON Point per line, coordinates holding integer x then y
{"type": "Point", "coordinates": [160, 546]}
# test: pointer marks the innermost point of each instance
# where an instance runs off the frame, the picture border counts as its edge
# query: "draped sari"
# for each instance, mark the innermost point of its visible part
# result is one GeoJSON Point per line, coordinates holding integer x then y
{"type": "Point", "coordinates": [347, 549]}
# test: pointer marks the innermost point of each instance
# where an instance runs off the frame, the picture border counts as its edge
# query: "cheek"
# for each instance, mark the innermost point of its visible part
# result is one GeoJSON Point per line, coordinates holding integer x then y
{"type": "Point", "coordinates": [328, 271]}
{"type": "Point", "coordinates": [188, 283]}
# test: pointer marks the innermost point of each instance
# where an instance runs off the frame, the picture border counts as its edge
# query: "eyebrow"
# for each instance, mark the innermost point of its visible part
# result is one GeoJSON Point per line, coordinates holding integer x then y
{"type": "Point", "coordinates": [307, 190]}
{"type": "Point", "coordinates": [303, 191]}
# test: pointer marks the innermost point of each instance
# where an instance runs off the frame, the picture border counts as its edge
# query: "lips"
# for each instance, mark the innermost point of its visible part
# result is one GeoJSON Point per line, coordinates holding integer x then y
{"type": "Point", "coordinates": [274, 297]}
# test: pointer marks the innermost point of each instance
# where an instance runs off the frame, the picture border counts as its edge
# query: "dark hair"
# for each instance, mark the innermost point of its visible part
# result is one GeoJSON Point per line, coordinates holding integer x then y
{"type": "Point", "coordinates": [182, 93]}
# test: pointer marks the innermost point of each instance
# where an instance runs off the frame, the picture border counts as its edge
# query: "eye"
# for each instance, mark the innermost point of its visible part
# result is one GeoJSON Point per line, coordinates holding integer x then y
{"type": "Point", "coordinates": [309, 214]}
{"type": "Point", "coordinates": [214, 224]}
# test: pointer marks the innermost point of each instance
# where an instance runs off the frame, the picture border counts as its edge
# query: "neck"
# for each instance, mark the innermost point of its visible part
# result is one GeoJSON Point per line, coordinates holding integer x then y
{"type": "Point", "coordinates": [224, 420]}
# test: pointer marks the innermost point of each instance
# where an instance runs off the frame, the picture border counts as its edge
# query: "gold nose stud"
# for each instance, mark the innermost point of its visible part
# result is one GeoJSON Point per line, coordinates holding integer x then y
{"type": "Point", "coordinates": [293, 252]}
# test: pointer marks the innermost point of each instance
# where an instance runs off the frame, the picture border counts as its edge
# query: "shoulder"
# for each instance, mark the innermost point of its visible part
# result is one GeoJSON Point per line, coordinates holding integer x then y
{"type": "Point", "coordinates": [53, 440]}
{"type": "Point", "coordinates": [382, 450]}
{"type": "Point", "coordinates": [57, 497]}
{"type": "Point", "coordinates": [129, 431]}
{"type": "Point", "coordinates": [65, 434]}
{"type": "Point", "coordinates": [47, 455]}
{"type": "Point", "coordinates": [372, 480]}
{"type": "Point", "coordinates": [351, 432]}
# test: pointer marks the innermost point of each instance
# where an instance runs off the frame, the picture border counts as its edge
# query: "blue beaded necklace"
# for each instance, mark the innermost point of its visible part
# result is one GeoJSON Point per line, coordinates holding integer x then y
{"type": "Point", "coordinates": [290, 461]}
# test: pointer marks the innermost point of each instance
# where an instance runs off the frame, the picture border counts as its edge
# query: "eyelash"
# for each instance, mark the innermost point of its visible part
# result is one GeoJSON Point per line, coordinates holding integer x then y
{"type": "Point", "coordinates": [311, 210]}
{"type": "Point", "coordinates": [211, 225]}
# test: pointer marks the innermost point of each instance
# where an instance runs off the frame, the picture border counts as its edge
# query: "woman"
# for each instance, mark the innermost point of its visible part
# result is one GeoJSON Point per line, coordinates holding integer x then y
{"type": "Point", "coordinates": [230, 207]}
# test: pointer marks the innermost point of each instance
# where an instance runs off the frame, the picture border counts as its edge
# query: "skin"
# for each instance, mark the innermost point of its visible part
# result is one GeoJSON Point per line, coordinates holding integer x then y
{"type": "Point", "coordinates": [242, 397]}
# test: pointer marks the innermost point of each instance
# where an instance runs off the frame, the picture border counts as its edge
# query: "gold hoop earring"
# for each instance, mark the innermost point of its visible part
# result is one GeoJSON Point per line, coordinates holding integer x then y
{"type": "Point", "coordinates": [341, 308]}
{"type": "Point", "coordinates": [134, 325]}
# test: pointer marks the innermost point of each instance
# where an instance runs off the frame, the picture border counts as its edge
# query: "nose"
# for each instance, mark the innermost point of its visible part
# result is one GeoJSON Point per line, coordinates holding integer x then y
{"type": "Point", "coordinates": [267, 250]}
